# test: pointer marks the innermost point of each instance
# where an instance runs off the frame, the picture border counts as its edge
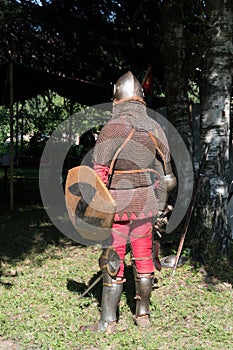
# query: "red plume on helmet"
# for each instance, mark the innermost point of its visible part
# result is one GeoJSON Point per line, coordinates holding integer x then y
{"type": "Point", "coordinates": [147, 83]}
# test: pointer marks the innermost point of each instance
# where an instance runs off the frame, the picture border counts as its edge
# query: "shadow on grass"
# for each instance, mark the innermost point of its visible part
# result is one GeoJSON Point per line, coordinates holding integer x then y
{"type": "Point", "coordinates": [80, 288]}
{"type": "Point", "coordinates": [7, 285]}
{"type": "Point", "coordinates": [96, 291]}
{"type": "Point", "coordinates": [26, 229]}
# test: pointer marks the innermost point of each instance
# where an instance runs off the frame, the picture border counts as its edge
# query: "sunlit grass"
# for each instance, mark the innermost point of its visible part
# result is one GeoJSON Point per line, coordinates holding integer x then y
{"type": "Point", "coordinates": [43, 273]}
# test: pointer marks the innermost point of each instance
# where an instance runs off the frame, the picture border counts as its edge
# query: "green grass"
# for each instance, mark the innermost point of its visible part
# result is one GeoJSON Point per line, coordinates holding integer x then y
{"type": "Point", "coordinates": [43, 273]}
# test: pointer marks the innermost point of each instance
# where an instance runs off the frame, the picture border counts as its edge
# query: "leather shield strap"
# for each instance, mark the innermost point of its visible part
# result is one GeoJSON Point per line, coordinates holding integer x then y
{"type": "Point", "coordinates": [153, 138]}
{"type": "Point", "coordinates": [134, 171]}
{"type": "Point", "coordinates": [117, 154]}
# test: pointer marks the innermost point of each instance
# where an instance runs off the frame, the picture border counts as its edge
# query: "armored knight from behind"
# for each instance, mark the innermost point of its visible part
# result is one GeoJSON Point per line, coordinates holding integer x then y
{"type": "Point", "coordinates": [132, 158]}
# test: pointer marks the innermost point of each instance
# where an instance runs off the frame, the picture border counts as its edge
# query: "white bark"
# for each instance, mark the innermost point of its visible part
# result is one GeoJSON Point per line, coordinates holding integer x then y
{"type": "Point", "coordinates": [215, 129]}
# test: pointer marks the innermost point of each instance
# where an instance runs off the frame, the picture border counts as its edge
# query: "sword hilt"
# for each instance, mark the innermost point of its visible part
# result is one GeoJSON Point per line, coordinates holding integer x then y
{"type": "Point", "coordinates": [168, 209]}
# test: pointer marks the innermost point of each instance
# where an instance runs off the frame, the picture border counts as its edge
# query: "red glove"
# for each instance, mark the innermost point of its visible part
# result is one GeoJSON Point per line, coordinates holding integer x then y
{"type": "Point", "coordinates": [102, 171]}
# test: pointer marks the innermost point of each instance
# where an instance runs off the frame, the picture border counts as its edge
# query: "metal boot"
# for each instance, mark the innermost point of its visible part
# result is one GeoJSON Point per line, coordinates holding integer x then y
{"type": "Point", "coordinates": [111, 294]}
{"type": "Point", "coordinates": [143, 283]}
{"type": "Point", "coordinates": [110, 299]}
{"type": "Point", "coordinates": [109, 263]}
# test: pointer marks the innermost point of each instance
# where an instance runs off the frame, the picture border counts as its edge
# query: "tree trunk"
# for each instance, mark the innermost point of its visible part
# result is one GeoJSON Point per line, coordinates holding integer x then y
{"type": "Point", "coordinates": [175, 78]}
{"type": "Point", "coordinates": [213, 232]}
{"type": "Point", "coordinates": [177, 103]}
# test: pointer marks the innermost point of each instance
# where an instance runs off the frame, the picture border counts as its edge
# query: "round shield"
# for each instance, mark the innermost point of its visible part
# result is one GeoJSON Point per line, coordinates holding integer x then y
{"type": "Point", "coordinates": [90, 205]}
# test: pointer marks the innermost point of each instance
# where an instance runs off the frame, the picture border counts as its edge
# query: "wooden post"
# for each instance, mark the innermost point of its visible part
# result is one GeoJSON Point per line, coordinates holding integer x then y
{"type": "Point", "coordinates": [11, 85]}
{"type": "Point", "coordinates": [69, 164]}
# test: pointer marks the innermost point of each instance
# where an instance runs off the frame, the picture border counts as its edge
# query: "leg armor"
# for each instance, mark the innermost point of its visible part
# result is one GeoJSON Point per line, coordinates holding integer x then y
{"type": "Point", "coordinates": [109, 263]}
{"type": "Point", "coordinates": [111, 295]}
{"type": "Point", "coordinates": [144, 283]}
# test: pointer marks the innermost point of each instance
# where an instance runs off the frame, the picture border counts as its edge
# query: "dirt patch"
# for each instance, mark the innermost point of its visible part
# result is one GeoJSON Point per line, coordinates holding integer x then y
{"type": "Point", "coordinates": [8, 345]}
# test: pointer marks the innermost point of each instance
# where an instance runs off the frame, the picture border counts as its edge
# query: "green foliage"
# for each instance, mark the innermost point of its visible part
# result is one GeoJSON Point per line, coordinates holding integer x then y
{"type": "Point", "coordinates": [96, 40]}
{"type": "Point", "coordinates": [4, 129]}
{"type": "Point", "coordinates": [37, 118]}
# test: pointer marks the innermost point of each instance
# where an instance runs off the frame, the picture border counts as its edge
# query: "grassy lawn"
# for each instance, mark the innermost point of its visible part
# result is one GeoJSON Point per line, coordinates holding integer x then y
{"type": "Point", "coordinates": [43, 273]}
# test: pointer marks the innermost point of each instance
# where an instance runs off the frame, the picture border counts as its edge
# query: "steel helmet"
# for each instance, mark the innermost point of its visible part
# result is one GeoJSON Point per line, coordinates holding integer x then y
{"type": "Point", "coordinates": [128, 87]}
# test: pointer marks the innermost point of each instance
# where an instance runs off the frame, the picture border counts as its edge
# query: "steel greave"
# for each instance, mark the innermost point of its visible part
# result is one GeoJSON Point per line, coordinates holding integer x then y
{"type": "Point", "coordinates": [110, 299]}
{"type": "Point", "coordinates": [143, 292]}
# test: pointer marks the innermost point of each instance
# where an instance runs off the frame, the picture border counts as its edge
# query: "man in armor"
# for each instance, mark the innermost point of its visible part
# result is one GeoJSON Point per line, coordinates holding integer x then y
{"type": "Point", "coordinates": [132, 158]}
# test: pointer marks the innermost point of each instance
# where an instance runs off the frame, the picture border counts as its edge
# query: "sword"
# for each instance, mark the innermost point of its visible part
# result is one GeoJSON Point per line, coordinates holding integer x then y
{"type": "Point", "coordinates": [91, 286]}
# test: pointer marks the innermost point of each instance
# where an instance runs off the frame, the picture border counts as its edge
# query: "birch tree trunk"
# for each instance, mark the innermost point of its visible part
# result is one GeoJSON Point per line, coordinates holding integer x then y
{"type": "Point", "coordinates": [213, 233]}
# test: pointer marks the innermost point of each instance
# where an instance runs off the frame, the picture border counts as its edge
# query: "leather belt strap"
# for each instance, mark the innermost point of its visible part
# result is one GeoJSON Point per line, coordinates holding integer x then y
{"type": "Point", "coordinates": [117, 154]}
{"type": "Point", "coordinates": [143, 258]}
{"type": "Point", "coordinates": [136, 171]}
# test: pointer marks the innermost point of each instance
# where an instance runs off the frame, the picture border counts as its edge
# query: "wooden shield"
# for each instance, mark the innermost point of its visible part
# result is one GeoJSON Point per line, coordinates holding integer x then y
{"type": "Point", "coordinates": [90, 205]}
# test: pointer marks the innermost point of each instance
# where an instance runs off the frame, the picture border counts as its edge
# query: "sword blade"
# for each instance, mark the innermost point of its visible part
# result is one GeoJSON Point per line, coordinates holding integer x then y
{"type": "Point", "coordinates": [91, 286]}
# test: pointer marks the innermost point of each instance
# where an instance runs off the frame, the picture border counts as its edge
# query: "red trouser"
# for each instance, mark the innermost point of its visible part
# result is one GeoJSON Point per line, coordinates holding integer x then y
{"type": "Point", "coordinates": [139, 233]}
